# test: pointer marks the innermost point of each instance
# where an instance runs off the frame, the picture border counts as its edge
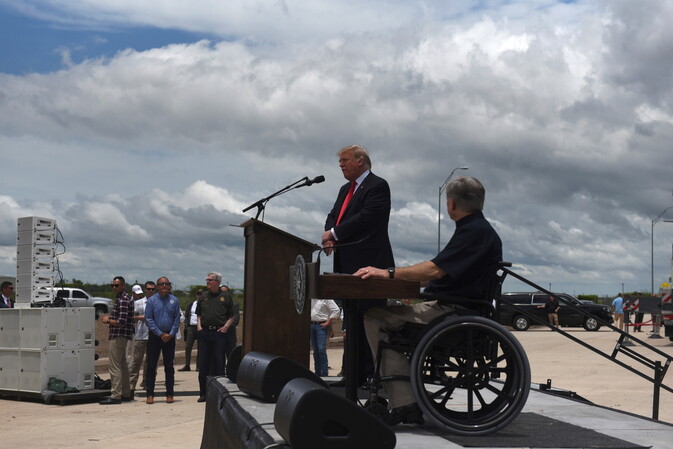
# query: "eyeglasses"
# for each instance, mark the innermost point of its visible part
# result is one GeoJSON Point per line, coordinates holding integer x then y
{"type": "Point", "coordinates": [211, 280]}
{"type": "Point", "coordinates": [114, 285]}
{"type": "Point", "coordinates": [162, 284]}
{"type": "Point", "coordinates": [150, 289]}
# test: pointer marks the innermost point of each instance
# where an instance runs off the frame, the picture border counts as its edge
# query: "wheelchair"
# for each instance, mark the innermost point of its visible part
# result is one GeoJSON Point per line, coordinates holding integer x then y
{"type": "Point", "coordinates": [468, 374]}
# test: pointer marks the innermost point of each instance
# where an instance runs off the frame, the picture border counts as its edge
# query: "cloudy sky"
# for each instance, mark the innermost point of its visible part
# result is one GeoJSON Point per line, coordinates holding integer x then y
{"type": "Point", "coordinates": [144, 128]}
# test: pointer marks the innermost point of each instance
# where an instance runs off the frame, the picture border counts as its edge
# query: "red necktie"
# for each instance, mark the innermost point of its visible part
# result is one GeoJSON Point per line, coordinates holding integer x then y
{"type": "Point", "coordinates": [349, 195]}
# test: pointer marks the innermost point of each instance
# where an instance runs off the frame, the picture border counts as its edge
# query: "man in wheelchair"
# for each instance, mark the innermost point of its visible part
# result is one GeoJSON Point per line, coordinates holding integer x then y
{"type": "Point", "coordinates": [460, 269]}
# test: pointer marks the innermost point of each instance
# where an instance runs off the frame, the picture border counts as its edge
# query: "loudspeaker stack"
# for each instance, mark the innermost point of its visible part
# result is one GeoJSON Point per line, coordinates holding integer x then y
{"type": "Point", "coordinates": [308, 415]}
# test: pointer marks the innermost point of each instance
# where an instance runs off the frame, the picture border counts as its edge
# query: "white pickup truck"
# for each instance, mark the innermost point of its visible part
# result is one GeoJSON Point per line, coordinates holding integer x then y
{"type": "Point", "coordinates": [76, 297]}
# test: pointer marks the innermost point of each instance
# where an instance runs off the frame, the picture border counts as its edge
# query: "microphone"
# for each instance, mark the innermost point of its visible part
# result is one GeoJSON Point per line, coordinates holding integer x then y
{"type": "Point", "coordinates": [316, 180]}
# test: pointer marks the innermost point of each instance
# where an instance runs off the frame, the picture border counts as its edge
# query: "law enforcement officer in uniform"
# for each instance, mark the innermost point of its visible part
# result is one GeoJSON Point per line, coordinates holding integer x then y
{"type": "Point", "coordinates": [215, 313]}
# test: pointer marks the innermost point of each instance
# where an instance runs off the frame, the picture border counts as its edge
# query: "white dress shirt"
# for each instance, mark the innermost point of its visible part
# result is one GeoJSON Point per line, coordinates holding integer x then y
{"type": "Point", "coordinates": [323, 310]}
{"type": "Point", "coordinates": [142, 331]}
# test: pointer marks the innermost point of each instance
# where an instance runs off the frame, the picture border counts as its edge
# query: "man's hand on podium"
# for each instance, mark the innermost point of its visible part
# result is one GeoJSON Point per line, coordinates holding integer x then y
{"type": "Point", "coordinates": [328, 241]}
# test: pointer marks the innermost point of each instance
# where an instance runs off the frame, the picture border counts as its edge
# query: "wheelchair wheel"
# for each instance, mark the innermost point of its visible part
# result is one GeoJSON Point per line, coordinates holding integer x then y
{"type": "Point", "coordinates": [470, 375]}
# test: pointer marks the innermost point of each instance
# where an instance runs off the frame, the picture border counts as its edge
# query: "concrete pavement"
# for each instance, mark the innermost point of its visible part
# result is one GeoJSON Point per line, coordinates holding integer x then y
{"type": "Point", "coordinates": [135, 424]}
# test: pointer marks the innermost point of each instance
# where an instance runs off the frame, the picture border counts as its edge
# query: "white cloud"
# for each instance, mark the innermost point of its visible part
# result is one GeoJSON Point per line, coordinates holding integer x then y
{"type": "Point", "coordinates": [108, 218]}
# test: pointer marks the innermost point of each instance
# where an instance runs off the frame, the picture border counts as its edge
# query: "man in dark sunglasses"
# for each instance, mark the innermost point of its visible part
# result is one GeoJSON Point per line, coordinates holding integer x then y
{"type": "Point", "coordinates": [162, 314]}
{"type": "Point", "coordinates": [121, 333]}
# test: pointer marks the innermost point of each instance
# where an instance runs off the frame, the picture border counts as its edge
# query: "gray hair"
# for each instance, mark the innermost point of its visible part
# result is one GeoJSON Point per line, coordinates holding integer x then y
{"type": "Point", "coordinates": [163, 277]}
{"type": "Point", "coordinates": [467, 192]}
{"type": "Point", "coordinates": [216, 275]}
{"type": "Point", "coordinates": [359, 152]}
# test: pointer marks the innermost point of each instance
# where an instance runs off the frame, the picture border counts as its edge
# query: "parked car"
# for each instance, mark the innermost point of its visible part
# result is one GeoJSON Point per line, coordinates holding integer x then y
{"type": "Point", "coordinates": [76, 297]}
{"type": "Point", "coordinates": [568, 316]}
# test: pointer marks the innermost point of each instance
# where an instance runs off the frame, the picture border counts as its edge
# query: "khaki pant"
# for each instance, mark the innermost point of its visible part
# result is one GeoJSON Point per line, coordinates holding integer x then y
{"type": "Point", "coordinates": [553, 319]}
{"type": "Point", "coordinates": [119, 369]}
{"type": "Point", "coordinates": [137, 360]}
{"type": "Point", "coordinates": [379, 321]}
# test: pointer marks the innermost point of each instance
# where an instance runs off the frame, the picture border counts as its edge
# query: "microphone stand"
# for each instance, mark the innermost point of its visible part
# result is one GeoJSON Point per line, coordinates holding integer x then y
{"type": "Point", "coordinates": [261, 204]}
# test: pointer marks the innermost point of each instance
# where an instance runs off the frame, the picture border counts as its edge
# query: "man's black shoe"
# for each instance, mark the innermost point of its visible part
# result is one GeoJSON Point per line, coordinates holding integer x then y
{"type": "Point", "coordinates": [128, 398]}
{"type": "Point", "coordinates": [185, 368]}
{"type": "Point", "coordinates": [201, 399]}
{"type": "Point", "coordinates": [408, 414]}
{"type": "Point", "coordinates": [110, 401]}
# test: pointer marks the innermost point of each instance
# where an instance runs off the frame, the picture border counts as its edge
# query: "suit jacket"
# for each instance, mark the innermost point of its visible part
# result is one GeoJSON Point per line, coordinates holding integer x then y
{"type": "Point", "coordinates": [2, 303]}
{"type": "Point", "coordinates": [188, 313]}
{"type": "Point", "coordinates": [366, 218]}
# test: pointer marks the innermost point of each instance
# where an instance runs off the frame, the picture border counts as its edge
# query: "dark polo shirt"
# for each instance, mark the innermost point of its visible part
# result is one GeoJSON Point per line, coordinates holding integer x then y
{"type": "Point", "coordinates": [468, 258]}
{"type": "Point", "coordinates": [215, 309]}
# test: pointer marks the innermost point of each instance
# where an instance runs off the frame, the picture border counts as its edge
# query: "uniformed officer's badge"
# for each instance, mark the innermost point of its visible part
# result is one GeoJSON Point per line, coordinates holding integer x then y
{"type": "Point", "coordinates": [221, 298]}
{"type": "Point", "coordinates": [172, 301]}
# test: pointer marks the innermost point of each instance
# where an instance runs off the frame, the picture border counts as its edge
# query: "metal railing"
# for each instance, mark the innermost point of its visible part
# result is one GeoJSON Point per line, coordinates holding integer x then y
{"type": "Point", "coordinates": [622, 346]}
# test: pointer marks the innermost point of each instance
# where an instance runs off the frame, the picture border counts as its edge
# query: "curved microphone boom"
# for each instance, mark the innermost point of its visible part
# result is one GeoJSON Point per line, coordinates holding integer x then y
{"type": "Point", "coordinates": [261, 204]}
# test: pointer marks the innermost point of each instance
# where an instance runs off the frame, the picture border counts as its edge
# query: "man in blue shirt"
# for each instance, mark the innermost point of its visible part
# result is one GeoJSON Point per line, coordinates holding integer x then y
{"type": "Point", "coordinates": [162, 314]}
{"type": "Point", "coordinates": [618, 311]}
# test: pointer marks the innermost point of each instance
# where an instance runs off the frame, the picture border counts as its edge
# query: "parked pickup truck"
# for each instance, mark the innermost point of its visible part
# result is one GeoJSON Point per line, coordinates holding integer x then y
{"type": "Point", "coordinates": [568, 316]}
{"type": "Point", "coordinates": [76, 297]}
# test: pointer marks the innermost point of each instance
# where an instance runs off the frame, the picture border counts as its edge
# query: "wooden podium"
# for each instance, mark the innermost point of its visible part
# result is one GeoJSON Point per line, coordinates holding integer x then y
{"type": "Point", "coordinates": [345, 286]}
{"type": "Point", "coordinates": [271, 323]}
{"type": "Point", "coordinates": [350, 289]}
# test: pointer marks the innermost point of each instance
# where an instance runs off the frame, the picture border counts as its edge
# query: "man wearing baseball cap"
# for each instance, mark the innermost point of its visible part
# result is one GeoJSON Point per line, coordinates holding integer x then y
{"type": "Point", "coordinates": [140, 336]}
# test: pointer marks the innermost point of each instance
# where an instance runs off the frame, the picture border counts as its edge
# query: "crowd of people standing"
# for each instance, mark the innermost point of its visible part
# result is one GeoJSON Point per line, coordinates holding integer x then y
{"type": "Point", "coordinates": [144, 326]}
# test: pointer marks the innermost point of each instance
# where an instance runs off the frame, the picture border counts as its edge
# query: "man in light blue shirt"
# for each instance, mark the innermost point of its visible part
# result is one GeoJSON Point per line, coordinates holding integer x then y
{"type": "Point", "coordinates": [162, 314]}
{"type": "Point", "coordinates": [618, 311]}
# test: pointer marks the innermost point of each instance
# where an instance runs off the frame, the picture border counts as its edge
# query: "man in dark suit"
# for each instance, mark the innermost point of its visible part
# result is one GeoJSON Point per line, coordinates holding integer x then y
{"type": "Point", "coordinates": [190, 332]}
{"type": "Point", "coordinates": [7, 292]}
{"type": "Point", "coordinates": [356, 230]}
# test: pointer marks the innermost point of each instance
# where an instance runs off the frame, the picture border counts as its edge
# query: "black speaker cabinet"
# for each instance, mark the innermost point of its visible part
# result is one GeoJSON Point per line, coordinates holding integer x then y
{"type": "Point", "coordinates": [309, 416]}
{"type": "Point", "coordinates": [233, 362]}
{"type": "Point", "coordinates": [264, 375]}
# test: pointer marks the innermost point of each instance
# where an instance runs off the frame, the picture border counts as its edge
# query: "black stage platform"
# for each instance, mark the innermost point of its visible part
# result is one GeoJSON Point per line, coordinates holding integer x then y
{"type": "Point", "coordinates": [236, 421]}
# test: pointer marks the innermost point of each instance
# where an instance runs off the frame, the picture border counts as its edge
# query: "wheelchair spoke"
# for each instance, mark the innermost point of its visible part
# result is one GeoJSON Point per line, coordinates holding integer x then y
{"type": "Point", "coordinates": [482, 401]}
{"type": "Point", "coordinates": [494, 390]}
{"type": "Point", "coordinates": [470, 404]}
{"type": "Point", "coordinates": [444, 394]}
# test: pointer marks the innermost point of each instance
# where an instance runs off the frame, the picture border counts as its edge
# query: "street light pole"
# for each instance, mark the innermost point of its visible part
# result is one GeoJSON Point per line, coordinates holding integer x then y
{"type": "Point", "coordinates": [655, 221]}
{"type": "Point", "coordinates": [439, 202]}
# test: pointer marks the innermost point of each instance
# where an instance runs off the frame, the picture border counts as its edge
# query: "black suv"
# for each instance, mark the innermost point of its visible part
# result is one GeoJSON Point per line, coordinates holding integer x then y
{"type": "Point", "coordinates": [568, 316]}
